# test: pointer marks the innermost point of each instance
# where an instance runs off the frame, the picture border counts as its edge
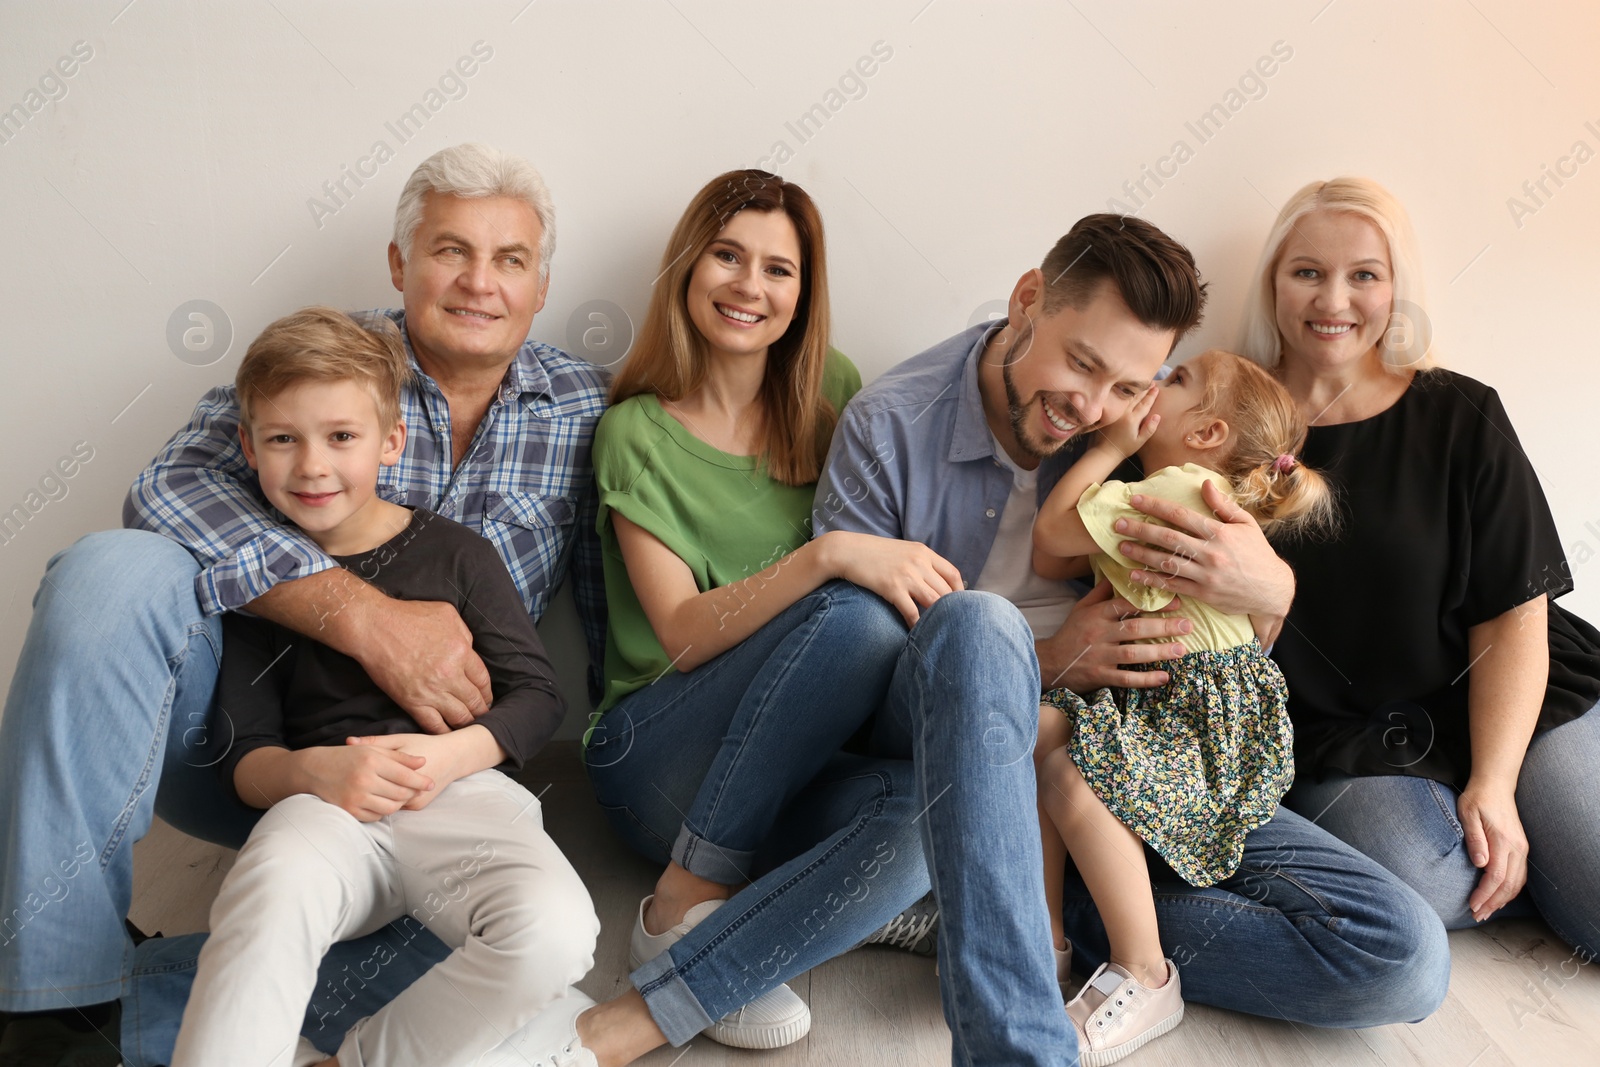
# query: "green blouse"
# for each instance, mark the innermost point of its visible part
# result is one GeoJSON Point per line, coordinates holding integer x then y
{"type": "Point", "coordinates": [720, 513]}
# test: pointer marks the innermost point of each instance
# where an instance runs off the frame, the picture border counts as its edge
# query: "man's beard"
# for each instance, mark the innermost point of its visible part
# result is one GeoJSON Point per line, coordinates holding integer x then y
{"type": "Point", "coordinates": [1019, 411]}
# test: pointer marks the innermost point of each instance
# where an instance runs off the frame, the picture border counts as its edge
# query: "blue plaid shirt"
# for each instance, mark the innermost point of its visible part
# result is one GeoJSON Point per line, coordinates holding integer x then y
{"type": "Point", "coordinates": [526, 483]}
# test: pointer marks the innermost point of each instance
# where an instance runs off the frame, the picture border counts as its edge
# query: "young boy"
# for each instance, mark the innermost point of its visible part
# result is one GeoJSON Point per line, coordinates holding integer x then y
{"type": "Point", "coordinates": [369, 820]}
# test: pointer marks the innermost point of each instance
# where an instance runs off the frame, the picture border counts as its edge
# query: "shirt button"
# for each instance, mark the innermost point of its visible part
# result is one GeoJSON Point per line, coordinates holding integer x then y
{"type": "Point", "coordinates": [989, 514]}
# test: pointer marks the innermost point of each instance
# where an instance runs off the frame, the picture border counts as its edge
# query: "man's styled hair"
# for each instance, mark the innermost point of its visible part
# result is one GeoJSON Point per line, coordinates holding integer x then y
{"type": "Point", "coordinates": [320, 344]}
{"type": "Point", "coordinates": [1155, 275]}
{"type": "Point", "coordinates": [474, 171]}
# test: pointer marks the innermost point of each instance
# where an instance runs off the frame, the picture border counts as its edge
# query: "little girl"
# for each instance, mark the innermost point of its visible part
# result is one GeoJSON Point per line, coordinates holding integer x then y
{"type": "Point", "coordinates": [1190, 766]}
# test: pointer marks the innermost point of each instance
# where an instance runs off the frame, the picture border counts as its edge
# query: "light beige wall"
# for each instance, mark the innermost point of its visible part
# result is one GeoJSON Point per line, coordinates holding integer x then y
{"type": "Point", "coordinates": [184, 157]}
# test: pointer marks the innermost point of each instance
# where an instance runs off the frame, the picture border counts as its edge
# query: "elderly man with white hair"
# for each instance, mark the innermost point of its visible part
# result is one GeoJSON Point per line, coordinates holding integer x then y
{"type": "Point", "coordinates": [112, 718]}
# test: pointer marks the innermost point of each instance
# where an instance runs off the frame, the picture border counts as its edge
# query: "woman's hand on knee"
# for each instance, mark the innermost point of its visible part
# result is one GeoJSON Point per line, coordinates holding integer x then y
{"type": "Point", "coordinates": [908, 574]}
{"type": "Point", "coordinates": [1495, 842]}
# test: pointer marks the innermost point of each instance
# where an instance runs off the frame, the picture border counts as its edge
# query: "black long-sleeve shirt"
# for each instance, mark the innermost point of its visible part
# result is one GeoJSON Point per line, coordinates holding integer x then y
{"type": "Point", "coordinates": [280, 689]}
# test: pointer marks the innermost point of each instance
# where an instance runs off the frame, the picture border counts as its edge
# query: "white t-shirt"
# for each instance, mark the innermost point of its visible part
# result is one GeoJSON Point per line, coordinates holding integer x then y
{"type": "Point", "coordinates": [1009, 572]}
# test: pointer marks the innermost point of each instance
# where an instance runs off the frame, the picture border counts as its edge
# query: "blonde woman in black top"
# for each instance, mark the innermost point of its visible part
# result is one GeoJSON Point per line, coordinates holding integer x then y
{"type": "Point", "coordinates": [1441, 699]}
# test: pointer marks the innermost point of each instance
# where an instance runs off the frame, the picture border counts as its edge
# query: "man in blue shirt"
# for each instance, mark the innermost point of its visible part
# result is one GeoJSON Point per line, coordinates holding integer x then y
{"type": "Point", "coordinates": [113, 692]}
{"type": "Point", "coordinates": [955, 448]}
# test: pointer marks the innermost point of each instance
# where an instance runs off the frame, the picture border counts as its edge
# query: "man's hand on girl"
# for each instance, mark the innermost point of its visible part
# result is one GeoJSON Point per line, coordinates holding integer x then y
{"type": "Point", "coordinates": [1223, 561]}
{"type": "Point", "coordinates": [1101, 638]}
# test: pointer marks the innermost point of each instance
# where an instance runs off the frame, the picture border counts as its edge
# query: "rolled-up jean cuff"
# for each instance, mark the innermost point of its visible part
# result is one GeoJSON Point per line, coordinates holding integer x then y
{"type": "Point", "coordinates": [708, 860]}
{"type": "Point", "coordinates": [676, 1010]}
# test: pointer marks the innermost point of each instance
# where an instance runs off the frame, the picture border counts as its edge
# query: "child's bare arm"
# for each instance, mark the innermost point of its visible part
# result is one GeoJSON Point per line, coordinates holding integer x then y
{"type": "Point", "coordinates": [1060, 568]}
{"type": "Point", "coordinates": [1061, 542]}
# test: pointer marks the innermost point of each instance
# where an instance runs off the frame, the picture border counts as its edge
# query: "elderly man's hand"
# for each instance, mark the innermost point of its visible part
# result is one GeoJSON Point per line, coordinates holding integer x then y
{"type": "Point", "coordinates": [417, 651]}
{"type": "Point", "coordinates": [420, 653]}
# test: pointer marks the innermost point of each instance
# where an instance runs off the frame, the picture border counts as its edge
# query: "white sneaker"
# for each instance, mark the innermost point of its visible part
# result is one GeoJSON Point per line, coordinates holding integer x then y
{"type": "Point", "coordinates": [1114, 1013]}
{"type": "Point", "coordinates": [776, 1018]}
{"type": "Point", "coordinates": [549, 1039]}
{"type": "Point", "coordinates": [644, 946]}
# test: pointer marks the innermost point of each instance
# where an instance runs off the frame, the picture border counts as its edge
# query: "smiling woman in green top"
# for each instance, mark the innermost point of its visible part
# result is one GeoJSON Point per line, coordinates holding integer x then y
{"type": "Point", "coordinates": [717, 748]}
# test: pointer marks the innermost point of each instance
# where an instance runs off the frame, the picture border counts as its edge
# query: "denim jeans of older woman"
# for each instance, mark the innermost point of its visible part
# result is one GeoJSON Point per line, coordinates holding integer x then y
{"type": "Point", "coordinates": [1410, 825]}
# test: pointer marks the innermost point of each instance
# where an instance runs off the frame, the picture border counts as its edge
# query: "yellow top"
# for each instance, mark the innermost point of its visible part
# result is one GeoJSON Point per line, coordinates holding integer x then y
{"type": "Point", "coordinates": [1102, 505]}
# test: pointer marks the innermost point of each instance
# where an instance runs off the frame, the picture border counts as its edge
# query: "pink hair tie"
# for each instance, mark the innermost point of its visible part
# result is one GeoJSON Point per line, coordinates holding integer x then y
{"type": "Point", "coordinates": [1284, 463]}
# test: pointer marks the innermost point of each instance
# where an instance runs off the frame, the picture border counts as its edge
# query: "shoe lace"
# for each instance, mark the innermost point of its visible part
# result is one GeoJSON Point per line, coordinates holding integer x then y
{"type": "Point", "coordinates": [909, 927]}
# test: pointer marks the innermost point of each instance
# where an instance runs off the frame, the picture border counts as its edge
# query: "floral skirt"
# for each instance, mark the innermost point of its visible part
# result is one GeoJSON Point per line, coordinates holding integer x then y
{"type": "Point", "coordinates": [1194, 765]}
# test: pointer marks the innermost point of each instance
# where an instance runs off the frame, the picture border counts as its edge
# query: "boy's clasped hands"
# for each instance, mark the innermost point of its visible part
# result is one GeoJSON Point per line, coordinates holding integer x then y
{"type": "Point", "coordinates": [372, 777]}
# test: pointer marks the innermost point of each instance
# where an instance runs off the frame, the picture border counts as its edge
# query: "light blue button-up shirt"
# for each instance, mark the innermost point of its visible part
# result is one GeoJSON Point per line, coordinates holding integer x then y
{"type": "Point", "coordinates": [913, 458]}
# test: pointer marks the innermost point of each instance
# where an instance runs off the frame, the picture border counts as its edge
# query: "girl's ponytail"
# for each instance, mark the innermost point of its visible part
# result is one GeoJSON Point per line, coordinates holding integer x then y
{"type": "Point", "coordinates": [1287, 498]}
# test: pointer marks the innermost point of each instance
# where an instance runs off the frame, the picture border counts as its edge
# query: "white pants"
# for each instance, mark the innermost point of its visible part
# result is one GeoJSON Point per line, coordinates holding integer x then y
{"type": "Point", "coordinates": [475, 867]}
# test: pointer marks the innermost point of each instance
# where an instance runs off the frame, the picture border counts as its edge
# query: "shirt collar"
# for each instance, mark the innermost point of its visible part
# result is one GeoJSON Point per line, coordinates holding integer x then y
{"type": "Point", "coordinates": [526, 374]}
{"type": "Point", "coordinates": [972, 438]}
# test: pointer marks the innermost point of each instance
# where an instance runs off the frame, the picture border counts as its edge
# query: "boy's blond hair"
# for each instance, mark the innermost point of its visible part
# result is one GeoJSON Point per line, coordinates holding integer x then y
{"type": "Point", "coordinates": [321, 344]}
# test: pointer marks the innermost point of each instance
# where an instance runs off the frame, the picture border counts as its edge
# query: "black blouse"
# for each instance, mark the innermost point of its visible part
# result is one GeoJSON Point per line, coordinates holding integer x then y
{"type": "Point", "coordinates": [1444, 527]}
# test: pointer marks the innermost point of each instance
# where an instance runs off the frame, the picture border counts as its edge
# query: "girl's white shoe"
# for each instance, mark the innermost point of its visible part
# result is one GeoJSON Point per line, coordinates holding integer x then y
{"type": "Point", "coordinates": [1114, 1014]}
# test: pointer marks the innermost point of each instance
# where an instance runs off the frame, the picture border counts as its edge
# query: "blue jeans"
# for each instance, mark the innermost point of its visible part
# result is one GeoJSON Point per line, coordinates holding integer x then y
{"type": "Point", "coordinates": [1307, 929]}
{"type": "Point", "coordinates": [965, 706]}
{"type": "Point", "coordinates": [1410, 826]}
{"type": "Point", "coordinates": [732, 766]}
{"type": "Point", "coordinates": [733, 770]}
{"type": "Point", "coordinates": [110, 720]}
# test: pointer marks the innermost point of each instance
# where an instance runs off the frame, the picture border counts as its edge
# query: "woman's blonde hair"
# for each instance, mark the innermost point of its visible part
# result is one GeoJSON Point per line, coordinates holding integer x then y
{"type": "Point", "coordinates": [322, 344]}
{"type": "Point", "coordinates": [1265, 426]}
{"type": "Point", "coordinates": [669, 359]}
{"type": "Point", "coordinates": [1399, 348]}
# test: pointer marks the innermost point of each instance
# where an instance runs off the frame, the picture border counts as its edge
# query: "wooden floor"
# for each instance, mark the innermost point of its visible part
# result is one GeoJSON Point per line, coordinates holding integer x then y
{"type": "Point", "coordinates": [1517, 995]}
